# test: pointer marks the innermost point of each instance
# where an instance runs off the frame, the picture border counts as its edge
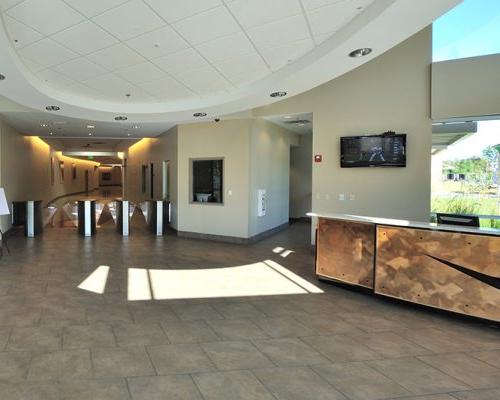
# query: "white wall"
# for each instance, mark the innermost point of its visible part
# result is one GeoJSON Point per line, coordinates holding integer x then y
{"type": "Point", "coordinates": [269, 170]}
{"type": "Point", "coordinates": [391, 92]}
{"type": "Point", "coordinates": [301, 177]}
{"type": "Point", "coordinates": [25, 170]}
{"type": "Point", "coordinates": [468, 87]}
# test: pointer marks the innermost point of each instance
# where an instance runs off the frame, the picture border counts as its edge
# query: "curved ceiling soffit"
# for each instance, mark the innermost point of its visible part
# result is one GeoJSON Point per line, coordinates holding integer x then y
{"type": "Point", "coordinates": [380, 26]}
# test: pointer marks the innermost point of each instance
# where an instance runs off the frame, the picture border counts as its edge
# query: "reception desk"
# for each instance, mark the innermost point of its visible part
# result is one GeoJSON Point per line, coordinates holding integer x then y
{"type": "Point", "coordinates": [452, 268]}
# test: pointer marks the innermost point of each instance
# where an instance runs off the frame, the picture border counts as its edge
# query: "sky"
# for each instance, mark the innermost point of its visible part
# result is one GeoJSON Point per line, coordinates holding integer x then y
{"type": "Point", "coordinates": [470, 29]}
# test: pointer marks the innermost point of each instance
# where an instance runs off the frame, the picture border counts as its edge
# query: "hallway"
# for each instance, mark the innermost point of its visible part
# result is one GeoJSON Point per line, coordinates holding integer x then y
{"type": "Point", "coordinates": [62, 342]}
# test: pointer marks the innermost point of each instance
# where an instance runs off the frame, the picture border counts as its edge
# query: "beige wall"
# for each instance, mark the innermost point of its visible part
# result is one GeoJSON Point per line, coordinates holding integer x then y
{"type": "Point", "coordinates": [301, 177]}
{"type": "Point", "coordinates": [269, 170]}
{"type": "Point", "coordinates": [147, 151]}
{"type": "Point", "coordinates": [391, 92]}
{"type": "Point", "coordinates": [25, 171]}
{"type": "Point", "coordinates": [467, 87]}
{"type": "Point", "coordinates": [229, 140]}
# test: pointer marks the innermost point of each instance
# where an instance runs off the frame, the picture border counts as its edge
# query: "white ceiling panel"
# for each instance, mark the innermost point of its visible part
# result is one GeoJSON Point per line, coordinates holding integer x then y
{"type": "Point", "coordinates": [279, 33]}
{"type": "Point", "coordinates": [329, 19]}
{"type": "Point", "coordinates": [226, 47]}
{"type": "Point", "coordinates": [54, 16]}
{"type": "Point", "coordinates": [203, 80]}
{"type": "Point", "coordinates": [129, 20]}
{"type": "Point", "coordinates": [250, 64]}
{"type": "Point", "coordinates": [278, 57]}
{"type": "Point", "coordinates": [80, 69]}
{"type": "Point", "coordinates": [109, 83]}
{"type": "Point", "coordinates": [208, 25]}
{"type": "Point", "coordinates": [116, 56]}
{"type": "Point", "coordinates": [158, 43]}
{"type": "Point", "coordinates": [47, 52]}
{"type": "Point", "coordinates": [181, 61]}
{"type": "Point", "coordinates": [84, 38]}
{"type": "Point", "coordinates": [91, 8]}
{"type": "Point", "coordinates": [20, 34]}
{"type": "Point", "coordinates": [313, 4]}
{"type": "Point", "coordinates": [175, 10]}
{"type": "Point", "coordinates": [167, 88]}
{"type": "Point", "coordinates": [32, 65]}
{"type": "Point", "coordinates": [251, 13]}
{"type": "Point", "coordinates": [141, 73]}
{"type": "Point", "coordinates": [54, 78]}
{"type": "Point", "coordinates": [6, 4]}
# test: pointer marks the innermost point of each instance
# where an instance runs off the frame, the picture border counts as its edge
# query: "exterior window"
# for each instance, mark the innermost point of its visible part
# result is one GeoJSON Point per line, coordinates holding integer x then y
{"type": "Point", "coordinates": [207, 181]}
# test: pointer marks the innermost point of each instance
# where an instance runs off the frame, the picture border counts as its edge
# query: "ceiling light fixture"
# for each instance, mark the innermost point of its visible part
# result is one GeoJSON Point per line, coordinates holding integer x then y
{"type": "Point", "coordinates": [128, 134]}
{"type": "Point", "coordinates": [90, 134]}
{"type": "Point", "coordinates": [360, 52]}
{"type": "Point", "coordinates": [121, 118]}
{"type": "Point", "coordinates": [278, 94]}
{"type": "Point", "coordinates": [287, 117]}
{"type": "Point", "coordinates": [199, 114]}
{"type": "Point", "coordinates": [90, 126]}
{"type": "Point", "coordinates": [44, 125]}
{"type": "Point", "coordinates": [50, 133]}
{"type": "Point", "coordinates": [2, 77]}
{"type": "Point", "coordinates": [52, 108]}
{"type": "Point", "coordinates": [136, 126]}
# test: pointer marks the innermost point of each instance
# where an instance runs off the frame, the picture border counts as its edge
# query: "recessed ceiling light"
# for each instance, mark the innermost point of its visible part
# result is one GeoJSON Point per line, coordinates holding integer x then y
{"type": "Point", "coordinates": [44, 125]}
{"type": "Point", "coordinates": [136, 127]}
{"type": "Point", "coordinates": [278, 94]}
{"type": "Point", "coordinates": [50, 133]}
{"type": "Point", "coordinates": [52, 108]}
{"type": "Point", "coordinates": [90, 134]}
{"type": "Point", "coordinates": [360, 52]}
{"type": "Point", "coordinates": [2, 77]}
{"type": "Point", "coordinates": [128, 134]}
{"type": "Point", "coordinates": [121, 118]}
{"type": "Point", "coordinates": [199, 114]}
{"type": "Point", "coordinates": [90, 126]}
{"type": "Point", "coordinates": [287, 117]}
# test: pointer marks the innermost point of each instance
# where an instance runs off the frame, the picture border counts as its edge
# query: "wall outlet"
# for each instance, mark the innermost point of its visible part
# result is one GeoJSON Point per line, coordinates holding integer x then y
{"type": "Point", "coordinates": [341, 196]}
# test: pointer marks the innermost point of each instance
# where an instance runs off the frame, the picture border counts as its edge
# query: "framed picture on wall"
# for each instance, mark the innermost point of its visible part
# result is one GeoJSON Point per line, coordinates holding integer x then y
{"type": "Point", "coordinates": [106, 176]}
{"type": "Point", "coordinates": [73, 166]}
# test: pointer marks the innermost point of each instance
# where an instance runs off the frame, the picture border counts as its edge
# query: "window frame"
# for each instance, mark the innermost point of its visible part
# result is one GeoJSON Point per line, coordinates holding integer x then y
{"type": "Point", "coordinates": [191, 181]}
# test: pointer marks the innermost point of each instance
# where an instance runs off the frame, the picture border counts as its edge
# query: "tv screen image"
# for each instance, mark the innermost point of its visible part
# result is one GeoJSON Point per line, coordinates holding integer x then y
{"type": "Point", "coordinates": [388, 150]}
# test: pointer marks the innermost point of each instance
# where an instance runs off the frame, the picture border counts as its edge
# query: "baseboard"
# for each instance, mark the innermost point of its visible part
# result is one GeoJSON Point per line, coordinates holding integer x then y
{"type": "Point", "coordinates": [300, 219]}
{"type": "Point", "coordinates": [233, 239]}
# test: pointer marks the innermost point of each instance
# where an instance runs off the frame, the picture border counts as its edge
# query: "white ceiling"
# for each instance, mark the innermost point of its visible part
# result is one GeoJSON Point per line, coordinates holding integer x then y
{"type": "Point", "coordinates": [162, 60]}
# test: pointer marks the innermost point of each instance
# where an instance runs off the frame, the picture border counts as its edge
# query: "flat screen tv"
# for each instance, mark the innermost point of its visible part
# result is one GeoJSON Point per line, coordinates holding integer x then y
{"type": "Point", "coordinates": [386, 150]}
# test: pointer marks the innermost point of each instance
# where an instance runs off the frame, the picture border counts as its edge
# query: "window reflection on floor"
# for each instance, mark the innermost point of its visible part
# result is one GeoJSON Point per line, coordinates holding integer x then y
{"type": "Point", "coordinates": [96, 281]}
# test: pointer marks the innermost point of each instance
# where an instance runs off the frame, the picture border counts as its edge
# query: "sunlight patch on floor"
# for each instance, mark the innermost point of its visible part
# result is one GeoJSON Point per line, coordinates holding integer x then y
{"type": "Point", "coordinates": [96, 281]}
{"type": "Point", "coordinates": [138, 285]}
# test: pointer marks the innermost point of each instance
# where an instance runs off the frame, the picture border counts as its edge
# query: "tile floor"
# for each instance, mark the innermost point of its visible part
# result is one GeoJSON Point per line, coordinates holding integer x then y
{"type": "Point", "coordinates": [61, 342]}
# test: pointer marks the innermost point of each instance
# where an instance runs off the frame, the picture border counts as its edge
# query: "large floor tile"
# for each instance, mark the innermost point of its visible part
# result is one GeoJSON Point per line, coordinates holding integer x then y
{"type": "Point", "coordinates": [60, 365]}
{"type": "Point", "coordinates": [491, 357]}
{"type": "Point", "coordinates": [139, 334]}
{"type": "Point", "coordinates": [290, 352]}
{"type": "Point", "coordinates": [235, 355]}
{"type": "Point", "coordinates": [35, 338]}
{"type": "Point", "coordinates": [172, 387]}
{"type": "Point", "coordinates": [196, 312]}
{"type": "Point", "coordinates": [189, 332]}
{"type": "Point", "coordinates": [108, 389]}
{"type": "Point", "coordinates": [484, 394]}
{"type": "Point", "coordinates": [390, 345]}
{"type": "Point", "coordinates": [475, 373]}
{"type": "Point", "coordinates": [87, 336]}
{"type": "Point", "coordinates": [417, 376]}
{"type": "Point", "coordinates": [284, 327]}
{"type": "Point", "coordinates": [14, 366]}
{"type": "Point", "coordinates": [237, 329]}
{"type": "Point", "coordinates": [179, 359]}
{"type": "Point", "coordinates": [360, 382]}
{"type": "Point", "coordinates": [297, 383]}
{"type": "Point", "coordinates": [234, 385]}
{"type": "Point", "coordinates": [121, 362]}
{"type": "Point", "coordinates": [341, 348]}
